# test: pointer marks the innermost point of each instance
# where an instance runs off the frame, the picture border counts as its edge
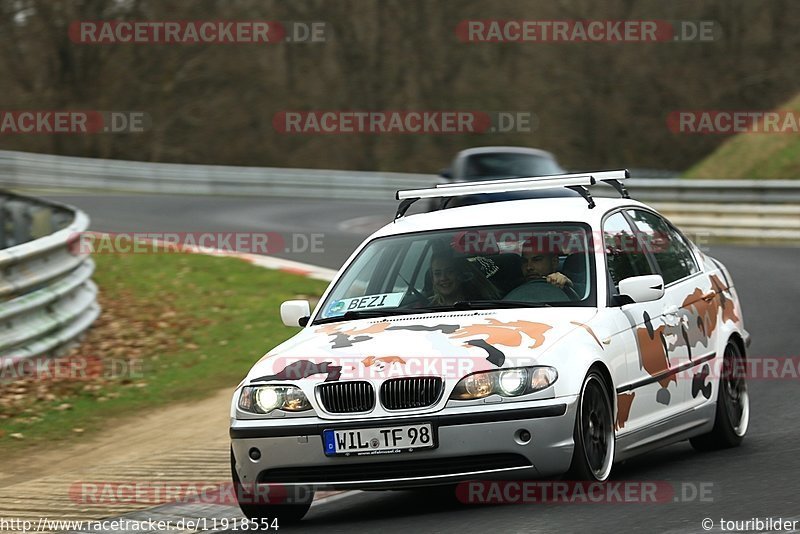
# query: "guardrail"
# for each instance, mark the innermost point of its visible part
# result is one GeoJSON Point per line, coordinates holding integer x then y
{"type": "Point", "coordinates": [47, 297]}
{"type": "Point", "coordinates": [739, 209]}
{"type": "Point", "coordinates": [762, 211]}
{"type": "Point", "coordinates": [22, 169]}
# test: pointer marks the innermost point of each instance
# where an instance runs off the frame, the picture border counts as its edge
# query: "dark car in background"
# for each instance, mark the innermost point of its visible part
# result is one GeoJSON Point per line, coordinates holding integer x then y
{"type": "Point", "coordinates": [495, 162]}
{"type": "Point", "coordinates": [487, 162]}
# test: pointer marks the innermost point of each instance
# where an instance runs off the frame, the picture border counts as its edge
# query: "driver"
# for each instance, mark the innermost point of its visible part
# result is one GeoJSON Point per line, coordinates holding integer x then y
{"type": "Point", "coordinates": [542, 265]}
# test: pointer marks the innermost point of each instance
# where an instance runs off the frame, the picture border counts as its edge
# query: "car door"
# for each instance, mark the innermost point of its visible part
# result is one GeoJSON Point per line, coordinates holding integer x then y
{"type": "Point", "coordinates": [651, 392]}
{"type": "Point", "coordinates": [689, 312]}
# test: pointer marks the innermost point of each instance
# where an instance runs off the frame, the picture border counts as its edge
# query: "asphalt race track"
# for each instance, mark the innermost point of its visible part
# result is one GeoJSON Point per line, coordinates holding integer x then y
{"type": "Point", "coordinates": [752, 481]}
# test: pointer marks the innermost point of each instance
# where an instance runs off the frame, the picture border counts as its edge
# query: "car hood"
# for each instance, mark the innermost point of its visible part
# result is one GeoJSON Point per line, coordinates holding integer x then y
{"type": "Point", "coordinates": [443, 344]}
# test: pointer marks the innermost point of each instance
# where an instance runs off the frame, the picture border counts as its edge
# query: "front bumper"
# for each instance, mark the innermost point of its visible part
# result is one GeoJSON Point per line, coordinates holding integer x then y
{"type": "Point", "coordinates": [473, 444]}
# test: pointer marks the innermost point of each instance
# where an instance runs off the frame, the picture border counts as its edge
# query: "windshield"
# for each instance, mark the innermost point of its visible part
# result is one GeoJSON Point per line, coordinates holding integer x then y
{"type": "Point", "coordinates": [507, 165]}
{"type": "Point", "coordinates": [476, 268]}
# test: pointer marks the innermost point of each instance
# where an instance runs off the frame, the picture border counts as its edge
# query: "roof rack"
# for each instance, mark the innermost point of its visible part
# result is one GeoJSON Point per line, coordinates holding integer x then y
{"type": "Point", "coordinates": [578, 182]}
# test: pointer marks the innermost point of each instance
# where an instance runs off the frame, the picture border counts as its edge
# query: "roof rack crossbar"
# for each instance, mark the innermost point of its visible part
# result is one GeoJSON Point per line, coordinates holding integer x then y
{"type": "Point", "coordinates": [578, 182]}
{"type": "Point", "coordinates": [499, 186]}
{"type": "Point", "coordinates": [621, 174]}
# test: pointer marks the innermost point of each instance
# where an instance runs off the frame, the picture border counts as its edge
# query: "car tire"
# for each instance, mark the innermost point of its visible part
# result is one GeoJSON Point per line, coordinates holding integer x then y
{"type": "Point", "coordinates": [733, 405]}
{"type": "Point", "coordinates": [595, 441]}
{"type": "Point", "coordinates": [284, 513]}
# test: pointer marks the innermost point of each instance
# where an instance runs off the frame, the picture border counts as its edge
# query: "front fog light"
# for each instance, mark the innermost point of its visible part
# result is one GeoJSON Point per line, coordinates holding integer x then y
{"type": "Point", "coordinates": [512, 382]}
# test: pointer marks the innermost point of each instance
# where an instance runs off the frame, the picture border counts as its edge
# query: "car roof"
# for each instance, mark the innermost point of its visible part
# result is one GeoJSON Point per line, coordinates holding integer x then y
{"type": "Point", "coordinates": [504, 149]}
{"type": "Point", "coordinates": [534, 210]}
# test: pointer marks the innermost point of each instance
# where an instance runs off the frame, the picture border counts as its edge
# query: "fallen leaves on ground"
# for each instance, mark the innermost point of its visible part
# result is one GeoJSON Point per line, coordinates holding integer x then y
{"type": "Point", "coordinates": [113, 354]}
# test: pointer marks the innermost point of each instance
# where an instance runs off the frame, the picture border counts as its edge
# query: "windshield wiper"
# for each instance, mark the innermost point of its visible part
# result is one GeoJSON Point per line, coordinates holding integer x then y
{"type": "Point", "coordinates": [458, 306]}
{"type": "Point", "coordinates": [366, 314]}
{"type": "Point", "coordinates": [489, 304]}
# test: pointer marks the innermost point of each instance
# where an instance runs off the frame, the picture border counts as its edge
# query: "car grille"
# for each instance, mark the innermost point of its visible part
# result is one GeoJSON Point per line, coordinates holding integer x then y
{"type": "Point", "coordinates": [410, 393]}
{"type": "Point", "coordinates": [347, 397]}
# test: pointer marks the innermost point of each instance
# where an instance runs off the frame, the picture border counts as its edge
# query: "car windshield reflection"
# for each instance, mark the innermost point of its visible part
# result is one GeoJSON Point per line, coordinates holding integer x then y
{"type": "Point", "coordinates": [498, 267]}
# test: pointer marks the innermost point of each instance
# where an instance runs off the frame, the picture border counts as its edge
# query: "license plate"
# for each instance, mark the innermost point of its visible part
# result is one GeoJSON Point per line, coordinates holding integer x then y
{"type": "Point", "coordinates": [384, 440]}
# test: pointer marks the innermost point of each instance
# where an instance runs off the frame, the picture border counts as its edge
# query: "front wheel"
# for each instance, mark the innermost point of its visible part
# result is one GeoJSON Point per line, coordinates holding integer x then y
{"type": "Point", "coordinates": [594, 432]}
{"type": "Point", "coordinates": [290, 506]}
{"type": "Point", "coordinates": [733, 405]}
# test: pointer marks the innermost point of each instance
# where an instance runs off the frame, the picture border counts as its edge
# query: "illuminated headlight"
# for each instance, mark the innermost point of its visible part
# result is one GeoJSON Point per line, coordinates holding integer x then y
{"type": "Point", "coordinates": [505, 382]}
{"type": "Point", "coordinates": [512, 382]}
{"type": "Point", "coordinates": [265, 399]}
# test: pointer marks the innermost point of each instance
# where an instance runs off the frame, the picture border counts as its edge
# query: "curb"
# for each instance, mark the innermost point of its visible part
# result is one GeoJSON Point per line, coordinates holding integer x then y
{"type": "Point", "coordinates": [259, 260]}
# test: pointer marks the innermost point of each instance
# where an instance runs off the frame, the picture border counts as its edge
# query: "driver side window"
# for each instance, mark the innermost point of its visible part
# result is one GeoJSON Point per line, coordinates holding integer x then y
{"type": "Point", "coordinates": [624, 255]}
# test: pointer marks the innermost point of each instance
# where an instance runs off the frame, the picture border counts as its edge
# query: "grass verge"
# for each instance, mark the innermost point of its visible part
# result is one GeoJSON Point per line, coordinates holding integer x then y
{"type": "Point", "coordinates": [754, 155]}
{"type": "Point", "coordinates": [174, 327]}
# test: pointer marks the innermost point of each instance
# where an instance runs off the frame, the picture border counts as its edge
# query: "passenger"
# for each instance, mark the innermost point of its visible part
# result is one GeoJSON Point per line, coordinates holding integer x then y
{"type": "Point", "coordinates": [456, 279]}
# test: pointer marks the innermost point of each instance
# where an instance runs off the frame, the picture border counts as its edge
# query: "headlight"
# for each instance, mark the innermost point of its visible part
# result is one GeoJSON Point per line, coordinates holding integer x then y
{"type": "Point", "coordinates": [265, 399]}
{"type": "Point", "coordinates": [542, 377]}
{"type": "Point", "coordinates": [504, 382]}
{"type": "Point", "coordinates": [478, 385]}
{"type": "Point", "coordinates": [512, 382]}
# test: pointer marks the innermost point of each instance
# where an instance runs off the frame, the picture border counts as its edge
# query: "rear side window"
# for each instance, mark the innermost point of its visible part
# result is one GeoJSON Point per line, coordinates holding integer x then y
{"type": "Point", "coordinates": [669, 247]}
{"type": "Point", "coordinates": [625, 257]}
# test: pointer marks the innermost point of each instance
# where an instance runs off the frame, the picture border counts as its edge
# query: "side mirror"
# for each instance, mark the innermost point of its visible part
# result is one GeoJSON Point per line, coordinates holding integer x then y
{"type": "Point", "coordinates": [642, 288]}
{"type": "Point", "coordinates": [295, 312]}
{"type": "Point", "coordinates": [446, 173]}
